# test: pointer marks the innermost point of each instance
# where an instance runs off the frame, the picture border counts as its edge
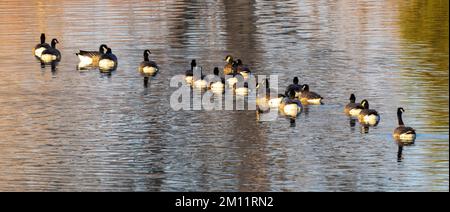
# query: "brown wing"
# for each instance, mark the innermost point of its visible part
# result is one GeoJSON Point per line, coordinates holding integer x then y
{"type": "Point", "coordinates": [89, 53]}
{"type": "Point", "coordinates": [369, 112]}
{"type": "Point", "coordinates": [310, 95]}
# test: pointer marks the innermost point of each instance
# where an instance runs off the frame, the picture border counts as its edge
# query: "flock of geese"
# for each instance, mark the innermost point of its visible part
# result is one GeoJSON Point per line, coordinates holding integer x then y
{"type": "Point", "coordinates": [289, 104]}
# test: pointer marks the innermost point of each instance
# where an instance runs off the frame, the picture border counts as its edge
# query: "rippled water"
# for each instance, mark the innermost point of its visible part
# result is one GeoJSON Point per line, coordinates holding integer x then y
{"type": "Point", "coordinates": [66, 130]}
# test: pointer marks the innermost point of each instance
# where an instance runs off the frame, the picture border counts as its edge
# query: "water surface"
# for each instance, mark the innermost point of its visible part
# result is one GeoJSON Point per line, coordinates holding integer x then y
{"type": "Point", "coordinates": [66, 130]}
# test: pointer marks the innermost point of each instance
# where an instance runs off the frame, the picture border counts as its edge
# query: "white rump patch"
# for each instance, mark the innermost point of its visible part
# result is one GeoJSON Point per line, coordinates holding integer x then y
{"type": "Point", "coordinates": [275, 103]}
{"type": "Point", "coordinates": [355, 112]}
{"type": "Point", "coordinates": [149, 70]}
{"type": "Point", "coordinates": [232, 82]}
{"type": "Point", "coordinates": [241, 91]}
{"type": "Point", "coordinates": [106, 64]}
{"type": "Point", "coordinates": [38, 52]}
{"type": "Point", "coordinates": [201, 84]}
{"type": "Point", "coordinates": [291, 110]}
{"type": "Point", "coordinates": [372, 119]}
{"type": "Point", "coordinates": [314, 101]}
{"type": "Point", "coordinates": [47, 58]}
{"type": "Point", "coordinates": [85, 61]}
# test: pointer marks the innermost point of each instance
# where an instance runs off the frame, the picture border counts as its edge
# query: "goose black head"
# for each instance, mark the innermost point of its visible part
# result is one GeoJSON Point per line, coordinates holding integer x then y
{"type": "Point", "coordinates": [352, 98]}
{"type": "Point", "coordinates": [103, 48]}
{"type": "Point", "coordinates": [229, 59]}
{"type": "Point", "coordinates": [216, 71]}
{"type": "Point", "coordinates": [54, 42]}
{"type": "Point", "coordinates": [109, 51]}
{"type": "Point", "coordinates": [296, 81]}
{"type": "Point", "coordinates": [147, 53]}
{"type": "Point", "coordinates": [400, 111]}
{"type": "Point", "coordinates": [365, 104]}
{"type": "Point", "coordinates": [246, 85]}
{"type": "Point", "coordinates": [193, 64]}
{"type": "Point", "coordinates": [305, 87]}
{"type": "Point", "coordinates": [42, 38]}
{"type": "Point", "coordinates": [239, 62]}
{"type": "Point", "coordinates": [235, 64]}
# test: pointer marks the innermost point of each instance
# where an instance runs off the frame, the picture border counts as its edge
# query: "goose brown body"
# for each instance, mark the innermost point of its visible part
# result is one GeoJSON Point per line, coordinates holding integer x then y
{"type": "Point", "coordinates": [353, 108]}
{"type": "Point", "coordinates": [91, 58]}
{"type": "Point", "coordinates": [148, 67]}
{"type": "Point", "coordinates": [368, 116]}
{"type": "Point", "coordinates": [51, 54]}
{"type": "Point", "coordinates": [41, 47]}
{"type": "Point", "coordinates": [403, 133]}
{"type": "Point", "coordinates": [309, 97]}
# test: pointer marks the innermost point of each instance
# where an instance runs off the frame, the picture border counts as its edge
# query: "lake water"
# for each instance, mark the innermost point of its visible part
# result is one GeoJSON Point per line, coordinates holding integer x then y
{"type": "Point", "coordinates": [66, 130]}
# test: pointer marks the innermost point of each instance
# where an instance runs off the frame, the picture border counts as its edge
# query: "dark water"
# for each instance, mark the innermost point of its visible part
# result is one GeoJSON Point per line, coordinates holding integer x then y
{"type": "Point", "coordinates": [68, 130]}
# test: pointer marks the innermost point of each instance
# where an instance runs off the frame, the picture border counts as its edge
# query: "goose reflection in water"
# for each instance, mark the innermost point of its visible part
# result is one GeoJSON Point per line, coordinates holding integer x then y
{"type": "Point", "coordinates": [401, 146]}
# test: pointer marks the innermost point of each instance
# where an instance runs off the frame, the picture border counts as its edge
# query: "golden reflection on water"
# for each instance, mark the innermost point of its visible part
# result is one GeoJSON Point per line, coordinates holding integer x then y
{"type": "Point", "coordinates": [424, 32]}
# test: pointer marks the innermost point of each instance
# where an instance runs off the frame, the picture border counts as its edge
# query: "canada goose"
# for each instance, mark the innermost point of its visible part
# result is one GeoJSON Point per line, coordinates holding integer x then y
{"type": "Point", "coordinates": [41, 47]}
{"type": "Point", "coordinates": [241, 91]}
{"type": "Point", "coordinates": [190, 73]}
{"type": "Point", "coordinates": [148, 67]}
{"type": "Point", "coordinates": [91, 58]}
{"type": "Point", "coordinates": [217, 86]}
{"type": "Point", "coordinates": [201, 82]}
{"type": "Point", "coordinates": [242, 69]}
{"type": "Point", "coordinates": [403, 133]}
{"type": "Point", "coordinates": [267, 100]}
{"type": "Point", "coordinates": [291, 106]}
{"type": "Point", "coordinates": [295, 87]}
{"type": "Point", "coordinates": [274, 102]}
{"type": "Point", "coordinates": [353, 108]}
{"type": "Point", "coordinates": [108, 61]}
{"type": "Point", "coordinates": [368, 116]}
{"type": "Point", "coordinates": [310, 97]}
{"type": "Point", "coordinates": [230, 67]}
{"type": "Point", "coordinates": [51, 54]}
